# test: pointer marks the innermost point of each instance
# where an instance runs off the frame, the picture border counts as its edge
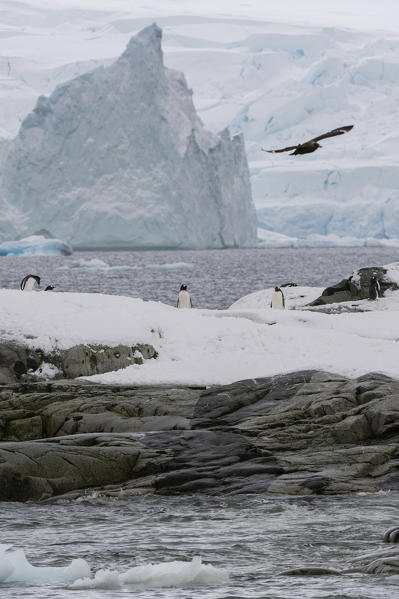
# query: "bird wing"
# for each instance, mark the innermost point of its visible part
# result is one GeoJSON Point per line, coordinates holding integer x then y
{"type": "Point", "coordinates": [333, 133]}
{"type": "Point", "coordinates": [282, 150]}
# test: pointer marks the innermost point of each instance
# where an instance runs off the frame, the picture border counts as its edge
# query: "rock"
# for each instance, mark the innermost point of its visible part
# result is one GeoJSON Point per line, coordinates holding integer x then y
{"type": "Point", "coordinates": [86, 360]}
{"type": "Point", "coordinates": [20, 363]}
{"type": "Point", "coordinates": [16, 360]}
{"type": "Point", "coordinates": [310, 571]}
{"type": "Point", "coordinates": [40, 469]}
{"type": "Point", "coordinates": [303, 433]}
{"type": "Point", "coordinates": [392, 535]}
{"type": "Point", "coordinates": [379, 562]}
{"type": "Point", "coordinates": [355, 287]}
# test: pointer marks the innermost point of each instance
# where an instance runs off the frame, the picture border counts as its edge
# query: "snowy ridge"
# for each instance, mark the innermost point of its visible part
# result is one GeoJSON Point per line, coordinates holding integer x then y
{"type": "Point", "coordinates": [206, 347]}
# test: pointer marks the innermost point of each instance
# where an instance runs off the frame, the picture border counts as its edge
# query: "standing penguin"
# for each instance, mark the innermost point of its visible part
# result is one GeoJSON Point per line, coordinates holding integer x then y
{"type": "Point", "coordinates": [29, 281]}
{"type": "Point", "coordinates": [278, 301]}
{"type": "Point", "coordinates": [374, 288]}
{"type": "Point", "coordinates": [184, 299]}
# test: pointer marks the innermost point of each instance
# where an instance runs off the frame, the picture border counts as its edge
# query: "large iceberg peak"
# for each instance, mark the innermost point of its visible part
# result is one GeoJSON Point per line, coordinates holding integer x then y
{"type": "Point", "coordinates": [118, 158]}
{"type": "Point", "coordinates": [149, 40]}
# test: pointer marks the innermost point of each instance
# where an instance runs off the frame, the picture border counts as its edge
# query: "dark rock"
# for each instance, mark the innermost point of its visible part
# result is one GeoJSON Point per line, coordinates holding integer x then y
{"type": "Point", "coordinates": [392, 535]}
{"type": "Point", "coordinates": [355, 287]}
{"type": "Point", "coordinates": [310, 571]}
{"type": "Point", "coordinates": [303, 433]}
{"type": "Point", "coordinates": [16, 360]}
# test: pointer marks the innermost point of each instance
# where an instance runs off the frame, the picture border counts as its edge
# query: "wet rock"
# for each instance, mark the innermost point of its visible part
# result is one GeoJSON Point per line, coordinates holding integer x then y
{"type": "Point", "coordinates": [392, 535]}
{"type": "Point", "coordinates": [311, 571]}
{"type": "Point", "coordinates": [303, 433]}
{"type": "Point", "coordinates": [385, 562]}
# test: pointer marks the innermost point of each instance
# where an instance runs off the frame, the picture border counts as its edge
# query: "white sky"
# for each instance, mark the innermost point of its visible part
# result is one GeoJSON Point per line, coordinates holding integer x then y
{"type": "Point", "coordinates": [356, 14]}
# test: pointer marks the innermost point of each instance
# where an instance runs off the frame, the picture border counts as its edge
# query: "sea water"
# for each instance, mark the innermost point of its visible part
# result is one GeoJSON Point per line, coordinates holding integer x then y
{"type": "Point", "coordinates": [193, 546]}
{"type": "Point", "coordinates": [196, 546]}
{"type": "Point", "coordinates": [215, 278]}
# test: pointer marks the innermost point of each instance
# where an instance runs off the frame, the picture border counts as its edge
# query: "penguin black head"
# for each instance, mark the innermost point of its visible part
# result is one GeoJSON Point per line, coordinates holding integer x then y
{"type": "Point", "coordinates": [50, 288]}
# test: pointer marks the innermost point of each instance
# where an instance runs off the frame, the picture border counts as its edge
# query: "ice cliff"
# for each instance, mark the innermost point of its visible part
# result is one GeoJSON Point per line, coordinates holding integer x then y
{"type": "Point", "coordinates": [118, 158]}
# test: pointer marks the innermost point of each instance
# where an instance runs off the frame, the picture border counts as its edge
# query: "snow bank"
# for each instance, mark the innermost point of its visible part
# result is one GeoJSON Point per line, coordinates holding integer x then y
{"type": "Point", "coordinates": [207, 347]}
{"type": "Point", "coordinates": [35, 245]}
{"type": "Point", "coordinates": [168, 574]}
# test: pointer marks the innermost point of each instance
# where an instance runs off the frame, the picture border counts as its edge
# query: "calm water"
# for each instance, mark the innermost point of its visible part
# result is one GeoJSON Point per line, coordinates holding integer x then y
{"type": "Point", "coordinates": [253, 538]}
{"type": "Point", "coordinates": [216, 278]}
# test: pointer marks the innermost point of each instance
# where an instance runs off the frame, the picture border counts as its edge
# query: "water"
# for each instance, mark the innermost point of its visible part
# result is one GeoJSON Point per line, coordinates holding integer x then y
{"type": "Point", "coordinates": [216, 278]}
{"type": "Point", "coordinates": [252, 538]}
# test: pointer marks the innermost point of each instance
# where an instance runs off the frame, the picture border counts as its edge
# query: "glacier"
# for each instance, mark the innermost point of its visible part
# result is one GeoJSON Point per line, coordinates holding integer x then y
{"type": "Point", "coordinates": [117, 158]}
{"type": "Point", "coordinates": [278, 72]}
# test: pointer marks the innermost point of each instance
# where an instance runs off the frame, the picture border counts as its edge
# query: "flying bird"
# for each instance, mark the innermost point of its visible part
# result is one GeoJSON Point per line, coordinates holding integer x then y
{"type": "Point", "coordinates": [310, 146]}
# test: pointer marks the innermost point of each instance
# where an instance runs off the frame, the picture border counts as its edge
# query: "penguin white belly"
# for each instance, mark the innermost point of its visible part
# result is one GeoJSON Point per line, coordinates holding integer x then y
{"type": "Point", "coordinates": [277, 301]}
{"type": "Point", "coordinates": [184, 300]}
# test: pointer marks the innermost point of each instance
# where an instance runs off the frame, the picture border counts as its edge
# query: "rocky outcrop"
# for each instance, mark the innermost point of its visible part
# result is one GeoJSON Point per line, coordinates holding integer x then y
{"type": "Point", "coordinates": [22, 363]}
{"type": "Point", "coordinates": [355, 287]}
{"type": "Point", "coordinates": [303, 433]}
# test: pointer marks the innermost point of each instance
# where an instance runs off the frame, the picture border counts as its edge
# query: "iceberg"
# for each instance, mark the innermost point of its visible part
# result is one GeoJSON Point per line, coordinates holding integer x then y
{"type": "Point", "coordinates": [117, 158]}
{"type": "Point", "coordinates": [35, 245]}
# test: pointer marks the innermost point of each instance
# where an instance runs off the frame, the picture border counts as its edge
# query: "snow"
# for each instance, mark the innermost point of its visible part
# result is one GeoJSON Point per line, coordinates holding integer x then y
{"type": "Point", "coordinates": [117, 158]}
{"type": "Point", "coordinates": [35, 245]}
{"type": "Point", "coordinates": [206, 347]}
{"type": "Point", "coordinates": [280, 72]}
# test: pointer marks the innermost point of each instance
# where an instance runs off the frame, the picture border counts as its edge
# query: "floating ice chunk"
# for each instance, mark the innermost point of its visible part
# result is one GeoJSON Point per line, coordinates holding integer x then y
{"type": "Point", "coordinates": [172, 266]}
{"type": "Point", "coordinates": [103, 579]}
{"type": "Point", "coordinates": [174, 574]}
{"type": "Point", "coordinates": [168, 574]}
{"type": "Point", "coordinates": [6, 568]}
{"type": "Point", "coordinates": [14, 567]}
{"type": "Point", "coordinates": [35, 245]}
{"type": "Point", "coordinates": [96, 264]}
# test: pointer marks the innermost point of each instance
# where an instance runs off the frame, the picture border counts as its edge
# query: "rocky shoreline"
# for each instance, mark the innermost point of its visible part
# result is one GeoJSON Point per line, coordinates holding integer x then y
{"type": "Point", "coordinates": [304, 433]}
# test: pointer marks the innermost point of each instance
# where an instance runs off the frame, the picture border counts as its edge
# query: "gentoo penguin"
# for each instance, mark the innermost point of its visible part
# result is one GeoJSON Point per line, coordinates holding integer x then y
{"type": "Point", "coordinates": [184, 299]}
{"type": "Point", "coordinates": [278, 302]}
{"type": "Point", "coordinates": [374, 289]}
{"type": "Point", "coordinates": [29, 281]}
{"type": "Point", "coordinates": [50, 288]}
{"type": "Point", "coordinates": [311, 146]}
